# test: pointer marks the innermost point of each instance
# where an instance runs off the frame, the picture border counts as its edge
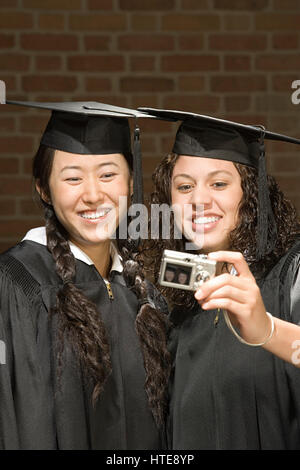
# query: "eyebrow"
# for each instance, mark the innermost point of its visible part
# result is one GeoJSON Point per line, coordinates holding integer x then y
{"type": "Point", "coordinates": [212, 173]}
{"type": "Point", "coordinates": [76, 167]}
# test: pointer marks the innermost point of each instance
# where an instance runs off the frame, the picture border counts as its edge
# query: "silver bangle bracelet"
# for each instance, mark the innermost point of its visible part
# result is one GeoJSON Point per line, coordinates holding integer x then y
{"type": "Point", "coordinates": [229, 324]}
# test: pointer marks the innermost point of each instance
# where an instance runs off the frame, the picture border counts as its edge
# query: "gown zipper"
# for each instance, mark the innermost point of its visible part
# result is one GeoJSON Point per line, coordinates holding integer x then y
{"type": "Point", "coordinates": [215, 383]}
{"type": "Point", "coordinates": [109, 290]}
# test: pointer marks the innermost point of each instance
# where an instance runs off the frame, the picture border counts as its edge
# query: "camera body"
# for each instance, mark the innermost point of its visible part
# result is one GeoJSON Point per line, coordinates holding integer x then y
{"type": "Point", "coordinates": [185, 270]}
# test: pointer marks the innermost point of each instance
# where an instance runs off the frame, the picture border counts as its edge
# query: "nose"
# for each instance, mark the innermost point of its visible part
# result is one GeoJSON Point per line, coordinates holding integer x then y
{"type": "Point", "coordinates": [92, 191]}
{"type": "Point", "coordinates": [201, 196]}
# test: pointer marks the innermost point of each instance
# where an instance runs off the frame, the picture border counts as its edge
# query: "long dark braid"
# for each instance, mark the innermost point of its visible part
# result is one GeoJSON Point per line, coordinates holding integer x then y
{"type": "Point", "coordinates": [78, 318]}
{"type": "Point", "coordinates": [152, 326]}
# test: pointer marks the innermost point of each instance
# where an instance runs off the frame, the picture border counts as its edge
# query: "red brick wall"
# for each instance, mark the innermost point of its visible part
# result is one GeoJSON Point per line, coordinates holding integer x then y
{"type": "Point", "coordinates": [234, 59]}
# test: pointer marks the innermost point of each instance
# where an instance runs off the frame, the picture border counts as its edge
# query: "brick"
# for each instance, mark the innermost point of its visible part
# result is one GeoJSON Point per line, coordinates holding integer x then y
{"type": "Point", "coordinates": [16, 228]}
{"type": "Point", "coordinates": [29, 207]}
{"type": "Point", "coordinates": [142, 63]}
{"type": "Point", "coordinates": [7, 207]}
{"type": "Point", "coordinates": [240, 4]}
{"type": "Point", "coordinates": [15, 62]}
{"type": "Point", "coordinates": [144, 22]}
{"type": "Point", "coordinates": [34, 124]}
{"type": "Point", "coordinates": [15, 144]}
{"type": "Point", "coordinates": [237, 63]}
{"type": "Point", "coordinates": [8, 3]}
{"type": "Point", "coordinates": [189, 63]}
{"type": "Point", "coordinates": [187, 83]}
{"type": "Point", "coordinates": [238, 83]}
{"type": "Point", "coordinates": [153, 126]}
{"type": "Point", "coordinates": [14, 186]}
{"type": "Point", "coordinates": [285, 41]}
{"type": "Point", "coordinates": [191, 22]}
{"type": "Point", "coordinates": [288, 184]}
{"type": "Point", "coordinates": [15, 20]}
{"type": "Point", "coordinates": [100, 4]}
{"type": "Point", "coordinates": [237, 103]}
{"type": "Point", "coordinates": [9, 165]}
{"type": "Point", "coordinates": [283, 82]}
{"type": "Point", "coordinates": [191, 42]}
{"type": "Point", "coordinates": [278, 62]}
{"type": "Point", "coordinates": [97, 43]}
{"type": "Point", "coordinates": [9, 80]}
{"type": "Point", "coordinates": [48, 62]}
{"type": "Point", "coordinates": [49, 83]}
{"type": "Point", "coordinates": [143, 42]}
{"type": "Point", "coordinates": [90, 63]}
{"type": "Point", "coordinates": [239, 42]}
{"type": "Point", "coordinates": [236, 22]}
{"type": "Point", "coordinates": [277, 22]}
{"type": "Point", "coordinates": [195, 4]}
{"type": "Point", "coordinates": [96, 22]}
{"type": "Point", "coordinates": [114, 99]}
{"type": "Point", "coordinates": [149, 165]}
{"type": "Point", "coordinates": [146, 4]}
{"type": "Point", "coordinates": [275, 103]}
{"type": "Point", "coordinates": [199, 104]}
{"type": "Point", "coordinates": [49, 42]}
{"type": "Point", "coordinates": [285, 164]}
{"type": "Point", "coordinates": [53, 4]}
{"type": "Point", "coordinates": [51, 22]}
{"type": "Point", "coordinates": [7, 41]}
{"type": "Point", "coordinates": [149, 100]}
{"type": "Point", "coordinates": [286, 5]}
{"type": "Point", "coordinates": [142, 84]}
{"type": "Point", "coordinates": [98, 84]}
{"type": "Point", "coordinates": [7, 124]}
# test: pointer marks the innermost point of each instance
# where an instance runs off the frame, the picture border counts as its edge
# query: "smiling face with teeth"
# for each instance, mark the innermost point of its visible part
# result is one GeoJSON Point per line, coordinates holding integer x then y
{"type": "Point", "coordinates": [85, 192]}
{"type": "Point", "coordinates": [206, 194]}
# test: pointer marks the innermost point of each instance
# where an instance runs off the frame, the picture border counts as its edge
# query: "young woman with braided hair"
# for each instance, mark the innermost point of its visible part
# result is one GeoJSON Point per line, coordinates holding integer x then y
{"type": "Point", "coordinates": [86, 360]}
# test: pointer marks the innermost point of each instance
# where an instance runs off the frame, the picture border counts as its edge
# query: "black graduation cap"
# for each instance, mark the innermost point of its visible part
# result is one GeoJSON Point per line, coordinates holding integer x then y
{"type": "Point", "coordinates": [94, 128]}
{"type": "Point", "coordinates": [210, 137]}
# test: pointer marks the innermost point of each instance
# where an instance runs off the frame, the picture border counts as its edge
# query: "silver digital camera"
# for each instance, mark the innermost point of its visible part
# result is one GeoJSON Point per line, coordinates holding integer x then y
{"type": "Point", "coordinates": [185, 270]}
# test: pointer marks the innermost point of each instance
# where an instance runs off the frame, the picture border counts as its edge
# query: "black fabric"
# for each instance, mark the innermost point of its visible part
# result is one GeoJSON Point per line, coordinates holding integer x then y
{"type": "Point", "coordinates": [215, 141]}
{"type": "Point", "coordinates": [37, 412]}
{"type": "Point", "coordinates": [88, 135]}
{"type": "Point", "coordinates": [227, 395]}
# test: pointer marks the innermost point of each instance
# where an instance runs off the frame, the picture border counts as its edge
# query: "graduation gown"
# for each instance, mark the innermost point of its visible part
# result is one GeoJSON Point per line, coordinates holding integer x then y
{"type": "Point", "coordinates": [34, 412]}
{"type": "Point", "coordinates": [227, 395]}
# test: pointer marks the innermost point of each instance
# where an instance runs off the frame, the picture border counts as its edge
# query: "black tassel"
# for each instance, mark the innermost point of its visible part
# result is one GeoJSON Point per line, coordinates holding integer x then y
{"type": "Point", "coordinates": [137, 168]}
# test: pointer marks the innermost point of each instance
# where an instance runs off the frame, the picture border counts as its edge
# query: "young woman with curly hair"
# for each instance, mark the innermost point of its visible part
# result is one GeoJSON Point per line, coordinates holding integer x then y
{"type": "Point", "coordinates": [85, 334]}
{"type": "Point", "coordinates": [225, 393]}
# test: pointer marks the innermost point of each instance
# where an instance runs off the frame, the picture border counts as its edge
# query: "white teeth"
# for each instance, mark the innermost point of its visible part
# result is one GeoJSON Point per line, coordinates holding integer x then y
{"type": "Point", "coordinates": [95, 215]}
{"type": "Point", "coordinates": [206, 220]}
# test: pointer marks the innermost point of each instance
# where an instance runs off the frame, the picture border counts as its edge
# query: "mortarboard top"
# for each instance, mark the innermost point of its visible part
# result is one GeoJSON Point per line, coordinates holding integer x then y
{"type": "Point", "coordinates": [210, 137]}
{"type": "Point", "coordinates": [93, 128]}
{"type": "Point", "coordinates": [207, 136]}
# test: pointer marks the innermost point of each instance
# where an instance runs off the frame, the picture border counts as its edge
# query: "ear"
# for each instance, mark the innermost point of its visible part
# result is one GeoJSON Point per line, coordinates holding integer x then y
{"type": "Point", "coordinates": [42, 194]}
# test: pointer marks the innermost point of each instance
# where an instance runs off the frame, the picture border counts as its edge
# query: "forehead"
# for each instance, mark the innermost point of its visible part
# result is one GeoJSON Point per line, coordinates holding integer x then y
{"type": "Point", "coordinates": [193, 165]}
{"type": "Point", "coordinates": [63, 159]}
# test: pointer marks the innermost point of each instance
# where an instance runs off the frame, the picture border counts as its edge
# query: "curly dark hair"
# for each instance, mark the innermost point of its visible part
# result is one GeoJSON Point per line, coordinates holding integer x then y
{"type": "Point", "coordinates": [243, 238]}
{"type": "Point", "coordinates": [79, 320]}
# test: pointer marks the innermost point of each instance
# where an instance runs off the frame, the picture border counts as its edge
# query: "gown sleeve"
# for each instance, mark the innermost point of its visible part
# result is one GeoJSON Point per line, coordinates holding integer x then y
{"type": "Point", "coordinates": [292, 299]}
{"type": "Point", "coordinates": [24, 416]}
